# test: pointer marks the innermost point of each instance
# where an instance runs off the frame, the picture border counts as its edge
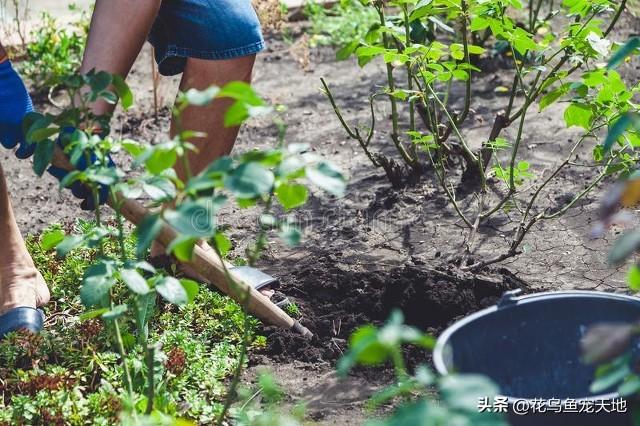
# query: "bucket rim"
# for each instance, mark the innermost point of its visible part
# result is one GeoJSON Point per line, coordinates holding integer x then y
{"type": "Point", "coordinates": [438, 358]}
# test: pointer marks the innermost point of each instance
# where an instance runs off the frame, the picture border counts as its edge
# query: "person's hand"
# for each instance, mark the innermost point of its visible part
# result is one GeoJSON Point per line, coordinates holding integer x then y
{"type": "Point", "coordinates": [15, 103]}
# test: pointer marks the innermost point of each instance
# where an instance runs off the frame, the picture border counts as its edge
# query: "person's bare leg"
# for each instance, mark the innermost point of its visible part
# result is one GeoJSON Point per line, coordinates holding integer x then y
{"type": "Point", "coordinates": [21, 285]}
{"type": "Point", "coordinates": [118, 30]}
{"type": "Point", "coordinates": [200, 74]}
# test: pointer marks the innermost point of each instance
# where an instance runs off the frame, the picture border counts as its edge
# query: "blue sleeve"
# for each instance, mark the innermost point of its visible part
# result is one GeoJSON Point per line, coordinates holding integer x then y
{"type": "Point", "coordinates": [15, 103]}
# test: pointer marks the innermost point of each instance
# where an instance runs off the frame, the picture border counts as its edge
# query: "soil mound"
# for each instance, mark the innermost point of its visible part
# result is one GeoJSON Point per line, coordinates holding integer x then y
{"type": "Point", "coordinates": [335, 299]}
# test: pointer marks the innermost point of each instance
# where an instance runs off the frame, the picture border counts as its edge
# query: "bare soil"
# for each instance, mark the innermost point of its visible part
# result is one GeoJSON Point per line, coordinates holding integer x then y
{"type": "Point", "coordinates": [377, 248]}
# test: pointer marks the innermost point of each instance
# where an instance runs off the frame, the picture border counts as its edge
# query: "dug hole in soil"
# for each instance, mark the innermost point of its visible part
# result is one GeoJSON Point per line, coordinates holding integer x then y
{"type": "Point", "coordinates": [337, 298]}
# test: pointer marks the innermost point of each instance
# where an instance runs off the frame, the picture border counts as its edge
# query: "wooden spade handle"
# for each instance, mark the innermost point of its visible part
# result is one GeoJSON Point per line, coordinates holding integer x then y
{"type": "Point", "coordinates": [204, 262]}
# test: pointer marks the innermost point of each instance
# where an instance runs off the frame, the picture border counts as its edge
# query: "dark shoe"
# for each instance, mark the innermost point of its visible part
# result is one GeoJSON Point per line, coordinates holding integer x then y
{"type": "Point", "coordinates": [21, 319]}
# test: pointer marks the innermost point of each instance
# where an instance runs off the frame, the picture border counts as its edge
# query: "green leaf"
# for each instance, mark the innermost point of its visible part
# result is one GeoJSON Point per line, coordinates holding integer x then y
{"type": "Point", "coordinates": [292, 195]}
{"type": "Point", "coordinates": [104, 176]}
{"type": "Point", "coordinates": [147, 231]}
{"type": "Point", "coordinates": [42, 156]}
{"type": "Point", "coordinates": [100, 81]}
{"type": "Point", "coordinates": [70, 178]}
{"type": "Point", "coordinates": [618, 128]}
{"type": "Point", "coordinates": [461, 391]}
{"type": "Point", "coordinates": [134, 281]}
{"type": "Point", "coordinates": [578, 114]}
{"type": "Point", "coordinates": [172, 291]}
{"type": "Point", "coordinates": [624, 247]}
{"type": "Point", "coordinates": [609, 375]}
{"type": "Point", "coordinates": [145, 308]}
{"type": "Point", "coordinates": [291, 235]}
{"type": "Point", "coordinates": [623, 52]}
{"type": "Point", "coordinates": [365, 346]}
{"type": "Point", "coordinates": [116, 312]}
{"type": "Point", "coordinates": [132, 147]}
{"type": "Point", "coordinates": [159, 188]}
{"type": "Point", "coordinates": [250, 180]}
{"type": "Point", "coordinates": [160, 160]}
{"type": "Point", "coordinates": [93, 314]}
{"type": "Point", "coordinates": [633, 278]}
{"type": "Point", "coordinates": [39, 135]}
{"type": "Point", "coordinates": [223, 244]}
{"type": "Point", "coordinates": [68, 244]}
{"type": "Point", "coordinates": [123, 91]}
{"type": "Point", "coordinates": [192, 288]}
{"type": "Point", "coordinates": [195, 218]}
{"type": "Point", "coordinates": [347, 50]}
{"type": "Point", "coordinates": [553, 96]}
{"type": "Point", "coordinates": [631, 386]}
{"type": "Point", "coordinates": [327, 177]}
{"type": "Point", "coordinates": [51, 238]}
{"type": "Point", "coordinates": [97, 282]}
{"type": "Point", "coordinates": [182, 248]}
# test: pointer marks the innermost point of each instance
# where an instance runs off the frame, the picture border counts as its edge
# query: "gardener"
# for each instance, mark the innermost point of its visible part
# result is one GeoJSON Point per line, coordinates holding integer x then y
{"type": "Point", "coordinates": [210, 43]}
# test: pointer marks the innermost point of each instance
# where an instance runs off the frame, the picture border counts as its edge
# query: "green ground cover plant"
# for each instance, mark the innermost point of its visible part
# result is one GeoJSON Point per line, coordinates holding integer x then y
{"type": "Point", "coordinates": [71, 373]}
{"type": "Point", "coordinates": [432, 49]}
{"type": "Point", "coordinates": [339, 25]}
{"type": "Point", "coordinates": [129, 298]}
{"type": "Point", "coordinates": [54, 51]}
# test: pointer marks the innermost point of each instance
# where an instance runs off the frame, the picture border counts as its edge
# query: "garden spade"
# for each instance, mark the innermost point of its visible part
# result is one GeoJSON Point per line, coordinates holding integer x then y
{"type": "Point", "coordinates": [234, 283]}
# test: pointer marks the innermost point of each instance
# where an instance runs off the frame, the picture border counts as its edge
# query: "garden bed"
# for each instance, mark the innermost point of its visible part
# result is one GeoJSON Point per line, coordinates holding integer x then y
{"type": "Point", "coordinates": [378, 248]}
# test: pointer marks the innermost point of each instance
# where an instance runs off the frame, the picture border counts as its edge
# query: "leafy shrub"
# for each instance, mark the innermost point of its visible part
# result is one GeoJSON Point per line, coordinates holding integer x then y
{"type": "Point", "coordinates": [433, 49]}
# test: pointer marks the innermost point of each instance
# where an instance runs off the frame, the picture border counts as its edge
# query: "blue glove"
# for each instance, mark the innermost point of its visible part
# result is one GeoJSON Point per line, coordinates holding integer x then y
{"type": "Point", "coordinates": [15, 103]}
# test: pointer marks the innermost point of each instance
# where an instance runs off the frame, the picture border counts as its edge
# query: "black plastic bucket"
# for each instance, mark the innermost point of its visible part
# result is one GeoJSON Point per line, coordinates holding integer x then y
{"type": "Point", "coordinates": [530, 347]}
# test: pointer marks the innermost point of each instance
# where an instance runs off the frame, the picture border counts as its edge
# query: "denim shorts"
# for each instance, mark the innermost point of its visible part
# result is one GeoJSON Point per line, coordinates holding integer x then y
{"type": "Point", "coordinates": [204, 29]}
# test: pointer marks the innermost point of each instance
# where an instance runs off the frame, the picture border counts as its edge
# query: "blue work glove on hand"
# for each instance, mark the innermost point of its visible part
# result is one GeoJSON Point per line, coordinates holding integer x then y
{"type": "Point", "coordinates": [79, 190]}
{"type": "Point", "coordinates": [15, 103]}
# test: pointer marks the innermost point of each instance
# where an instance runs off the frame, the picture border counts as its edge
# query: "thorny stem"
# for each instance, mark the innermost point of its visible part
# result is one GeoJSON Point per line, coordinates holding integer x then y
{"type": "Point", "coordinates": [151, 352]}
{"type": "Point", "coordinates": [412, 112]}
{"type": "Point", "coordinates": [260, 243]}
{"type": "Point", "coordinates": [514, 153]}
{"type": "Point", "coordinates": [471, 156]}
{"type": "Point", "coordinates": [177, 113]}
{"type": "Point", "coordinates": [524, 229]}
{"type": "Point", "coordinates": [465, 47]}
{"type": "Point", "coordinates": [407, 30]}
{"type": "Point", "coordinates": [364, 143]}
{"type": "Point", "coordinates": [615, 18]}
{"type": "Point", "coordinates": [123, 356]}
{"type": "Point", "coordinates": [239, 367]}
{"type": "Point", "coordinates": [440, 175]}
{"type": "Point", "coordinates": [252, 258]}
{"type": "Point", "coordinates": [395, 136]}
{"type": "Point", "coordinates": [120, 225]}
{"type": "Point", "coordinates": [555, 173]}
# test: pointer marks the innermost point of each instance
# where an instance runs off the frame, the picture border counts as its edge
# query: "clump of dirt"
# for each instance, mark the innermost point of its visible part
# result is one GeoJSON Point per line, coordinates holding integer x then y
{"type": "Point", "coordinates": [336, 298]}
